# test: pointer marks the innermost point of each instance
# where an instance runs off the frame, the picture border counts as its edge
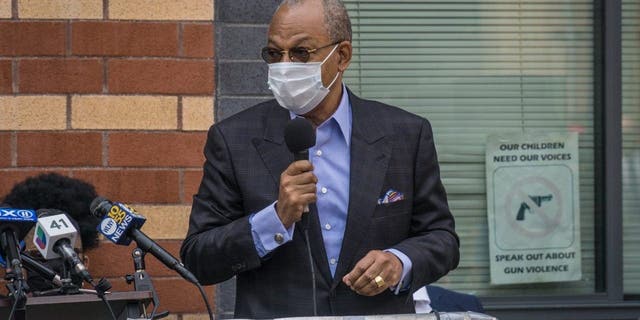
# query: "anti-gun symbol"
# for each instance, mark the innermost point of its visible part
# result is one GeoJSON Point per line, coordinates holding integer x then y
{"type": "Point", "coordinates": [538, 200]}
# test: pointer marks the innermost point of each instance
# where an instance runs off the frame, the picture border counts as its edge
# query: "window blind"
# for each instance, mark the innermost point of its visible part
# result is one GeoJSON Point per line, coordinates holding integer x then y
{"type": "Point", "coordinates": [631, 144]}
{"type": "Point", "coordinates": [475, 68]}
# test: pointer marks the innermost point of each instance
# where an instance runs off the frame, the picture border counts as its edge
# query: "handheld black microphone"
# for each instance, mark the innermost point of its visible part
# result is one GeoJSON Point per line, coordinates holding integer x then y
{"type": "Point", "coordinates": [14, 226]}
{"type": "Point", "coordinates": [55, 236]}
{"type": "Point", "coordinates": [121, 224]}
{"type": "Point", "coordinates": [299, 136]}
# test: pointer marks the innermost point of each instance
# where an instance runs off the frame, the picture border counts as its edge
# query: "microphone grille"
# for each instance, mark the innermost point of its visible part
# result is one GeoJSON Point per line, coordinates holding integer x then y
{"type": "Point", "coordinates": [95, 204]}
{"type": "Point", "coordinates": [47, 212]}
{"type": "Point", "coordinates": [299, 135]}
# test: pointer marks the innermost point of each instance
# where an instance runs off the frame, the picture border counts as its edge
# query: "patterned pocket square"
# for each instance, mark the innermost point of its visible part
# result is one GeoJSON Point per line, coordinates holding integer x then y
{"type": "Point", "coordinates": [391, 196]}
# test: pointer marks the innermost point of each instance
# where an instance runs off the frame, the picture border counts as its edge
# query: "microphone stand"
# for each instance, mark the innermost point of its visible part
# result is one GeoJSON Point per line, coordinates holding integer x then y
{"type": "Point", "coordinates": [16, 284]}
{"type": "Point", "coordinates": [68, 287]}
{"type": "Point", "coordinates": [142, 282]}
{"type": "Point", "coordinates": [16, 287]}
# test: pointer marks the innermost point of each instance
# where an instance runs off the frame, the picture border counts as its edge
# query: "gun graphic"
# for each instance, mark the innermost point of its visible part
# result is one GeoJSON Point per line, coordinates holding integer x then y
{"type": "Point", "coordinates": [524, 207]}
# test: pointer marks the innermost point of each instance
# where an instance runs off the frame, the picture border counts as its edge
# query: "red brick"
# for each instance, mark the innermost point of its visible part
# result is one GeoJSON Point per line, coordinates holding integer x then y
{"type": "Point", "coordinates": [5, 77]}
{"type": "Point", "coordinates": [191, 182]}
{"type": "Point", "coordinates": [10, 177]}
{"type": "Point", "coordinates": [60, 76]}
{"type": "Point", "coordinates": [32, 38]}
{"type": "Point", "coordinates": [5, 150]}
{"type": "Point", "coordinates": [161, 76]}
{"type": "Point", "coordinates": [182, 149]}
{"type": "Point", "coordinates": [124, 38]}
{"type": "Point", "coordinates": [134, 186]}
{"type": "Point", "coordinates": [197, 40]}
{"type": "Point", "coordinates": [59, 149]}
{"type": "Point", "coordinates": [111, 260]}
{"type": "Point", "coordinates": [176, 295]}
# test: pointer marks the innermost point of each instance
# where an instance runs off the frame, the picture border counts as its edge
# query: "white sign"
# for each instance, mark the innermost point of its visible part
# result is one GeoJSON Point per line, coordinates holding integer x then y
{"type": "Point", "coordinates": [533, 208]}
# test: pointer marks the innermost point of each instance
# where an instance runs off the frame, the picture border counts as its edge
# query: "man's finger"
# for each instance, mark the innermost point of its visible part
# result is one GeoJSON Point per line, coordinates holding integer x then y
{"type": "Point", "coordinates": [372, 290]}
{"type": "Point", "coordinates": [367, 278]}
{"type": "Point", "coordinates": [362, 266]}
{"type": "Point", "coordinates": [296, 191]}
{"type": "Point", "coordinates": [303, 178]}
{"type": "Point", "coordinates": [299, 167]}
{"type": "Point", "coordinates": [373, 287]}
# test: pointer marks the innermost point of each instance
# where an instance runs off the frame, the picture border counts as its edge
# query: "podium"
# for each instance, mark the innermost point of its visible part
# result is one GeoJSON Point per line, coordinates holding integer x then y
{"type": "Point", "coordinates": [423, 316]}
{"type": "Point", "coordinates": [82, 306]}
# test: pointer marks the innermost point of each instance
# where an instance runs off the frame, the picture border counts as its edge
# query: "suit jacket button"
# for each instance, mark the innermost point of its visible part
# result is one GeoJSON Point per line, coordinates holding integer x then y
{"type": "Point", "coordinates": [279, 238]}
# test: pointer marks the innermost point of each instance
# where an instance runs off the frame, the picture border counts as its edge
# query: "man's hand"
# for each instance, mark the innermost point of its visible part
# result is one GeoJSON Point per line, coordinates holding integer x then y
{"type": "Point", "coordinates": [297, 190]}
{"type": "Point", "coordinates": [362, 279]}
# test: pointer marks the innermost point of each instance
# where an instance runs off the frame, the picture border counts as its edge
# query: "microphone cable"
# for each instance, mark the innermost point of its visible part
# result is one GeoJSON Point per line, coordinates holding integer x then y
{"type": "Point", "coordinates": [204, 297]}
{"type": "Point", "coordinates": [101, 288]}
{"type": "Point", "coordinates": [313, 273]}
{"type": "Point", "coordinates": [104, 299]}
{"type": "Point", "coordinates": [206, 301]}
{"type": "Point", "coordinates": [17, 291]}
{"type": "Point", "coordinates": [312, 267]}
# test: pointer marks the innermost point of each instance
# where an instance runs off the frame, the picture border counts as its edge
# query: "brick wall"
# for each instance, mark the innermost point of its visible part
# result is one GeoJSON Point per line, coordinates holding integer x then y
{"type": "Point", "coordinates": [118, 93]}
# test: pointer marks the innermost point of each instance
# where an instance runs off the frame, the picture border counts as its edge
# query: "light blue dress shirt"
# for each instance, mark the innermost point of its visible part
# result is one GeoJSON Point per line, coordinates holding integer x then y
{"type": "Point", "coordinates": [331, 161]}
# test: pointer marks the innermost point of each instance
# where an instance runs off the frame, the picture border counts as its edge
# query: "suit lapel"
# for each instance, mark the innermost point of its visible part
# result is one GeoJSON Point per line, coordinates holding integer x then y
{"type": "Point", "coordinates": [370, 154]}
{"type": "Point", "coordinates": [272, 149]}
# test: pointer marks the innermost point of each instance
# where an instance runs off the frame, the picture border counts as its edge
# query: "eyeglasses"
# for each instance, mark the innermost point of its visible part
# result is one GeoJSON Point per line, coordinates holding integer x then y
{"type": "Point", "coordinates": [296, 54]}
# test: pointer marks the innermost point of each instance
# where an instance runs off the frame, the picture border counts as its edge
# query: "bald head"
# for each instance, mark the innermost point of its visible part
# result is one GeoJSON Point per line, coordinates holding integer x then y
{"type": "Point", "coordinates": [336, 18]}
{"type": "Point", "coordinates": [321, 27]}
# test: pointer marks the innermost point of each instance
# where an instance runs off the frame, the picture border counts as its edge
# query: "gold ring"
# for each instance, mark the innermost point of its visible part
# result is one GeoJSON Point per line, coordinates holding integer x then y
{"type": "Point", "coordinates": [379, 281]}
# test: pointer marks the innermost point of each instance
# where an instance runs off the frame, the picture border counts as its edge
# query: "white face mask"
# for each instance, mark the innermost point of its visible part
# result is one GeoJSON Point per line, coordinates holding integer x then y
{"type": "Point", "coordinates": [298, 86]}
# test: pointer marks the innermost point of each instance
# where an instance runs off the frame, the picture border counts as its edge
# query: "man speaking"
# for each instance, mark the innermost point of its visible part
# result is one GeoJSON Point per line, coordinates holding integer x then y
{"type": "Point", "coordinates": [378, 225]}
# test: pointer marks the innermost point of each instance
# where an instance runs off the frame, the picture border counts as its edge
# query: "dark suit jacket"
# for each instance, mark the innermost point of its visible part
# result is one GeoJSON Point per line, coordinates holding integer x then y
{"type": "Point", "coordinates": [444, 300]}
{"type": "Point", "coordinates": [245, 156]}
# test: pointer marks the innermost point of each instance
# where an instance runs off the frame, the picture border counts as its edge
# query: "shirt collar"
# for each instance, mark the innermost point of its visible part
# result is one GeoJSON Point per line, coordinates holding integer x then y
{"type": "Point", "coordinates": [342, 116]}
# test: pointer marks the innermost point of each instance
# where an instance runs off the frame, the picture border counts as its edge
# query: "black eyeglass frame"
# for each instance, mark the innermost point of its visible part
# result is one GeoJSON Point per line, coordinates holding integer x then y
{"type": "Point", "coordinates": [296, 54]}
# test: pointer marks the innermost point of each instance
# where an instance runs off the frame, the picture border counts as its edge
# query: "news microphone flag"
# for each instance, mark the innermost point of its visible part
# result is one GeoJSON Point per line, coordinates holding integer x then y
{"type": "Point", "coordinates": [117, 222]}
{"type": "Point", "coordinates": [18, 220]}
{"type": "Point", "coordinates": [14, 226]}
{"type": "Point", "coordinates": [51, 229]}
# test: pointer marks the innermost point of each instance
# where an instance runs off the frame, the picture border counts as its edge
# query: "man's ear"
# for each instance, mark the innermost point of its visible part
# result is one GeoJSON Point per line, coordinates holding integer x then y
{"type": "Point", "coordinates": [345, 52]}
{"type": "Point", "coordinates": [85, 260]}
